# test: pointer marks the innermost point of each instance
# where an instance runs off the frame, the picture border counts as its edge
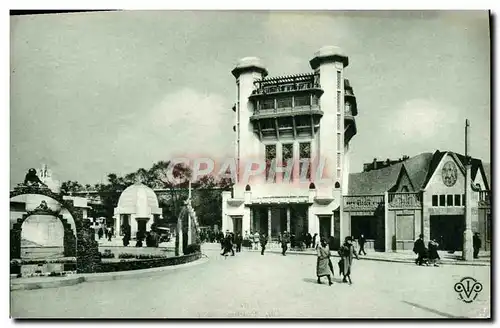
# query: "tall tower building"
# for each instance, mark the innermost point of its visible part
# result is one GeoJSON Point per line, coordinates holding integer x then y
{"type": "Point", "coordinates": [292, 138]}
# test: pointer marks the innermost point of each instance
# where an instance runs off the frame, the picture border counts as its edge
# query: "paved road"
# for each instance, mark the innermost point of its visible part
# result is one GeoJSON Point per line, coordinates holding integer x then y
{"type": "Point", "coordinates": [251, 285]}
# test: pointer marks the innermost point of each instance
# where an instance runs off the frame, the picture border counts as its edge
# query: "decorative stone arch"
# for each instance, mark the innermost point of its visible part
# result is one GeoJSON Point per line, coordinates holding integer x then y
{"type": "Point", "coordinates": [69, 241]}
{"type": "Point", "coordinates": [86, 250]}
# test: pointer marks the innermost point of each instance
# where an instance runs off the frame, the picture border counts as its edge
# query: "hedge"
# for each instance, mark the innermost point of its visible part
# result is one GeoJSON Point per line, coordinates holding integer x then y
{"type": "Point", "coordinates": [127, 264]}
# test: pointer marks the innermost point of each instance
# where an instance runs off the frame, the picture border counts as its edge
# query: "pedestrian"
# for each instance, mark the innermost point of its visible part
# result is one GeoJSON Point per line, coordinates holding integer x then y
{"type": "Point", "coordinates": [263, 243]}
{"type": "Point", "coordinates": [308, 240]}
{"type": "Point", "coordinates": [420, 250]}
{"type": "Point", "coordinates": [323, 263]}
{"type": "Point", "coordinates": [227, 245]}
{"type": "Point", "coordinates": [284, 243]}
{"type": "Point", "coordinates": [476, 244]}
{"type": "Point", "coordinates": [110, 234]}
{"type": "Point", "coordinates": [256, 240]}
{"type": "Point", "coordinates": [238, 241]}
{"type": "Point", "coordinates": [433, 252]}
{"type": "Point", "coordinates": [314, 240]}
{"type": "Point", "coordinates": [347, 252]}
{"type": "Point", "coordinates": [361, 242]}
{"type": "Point", "coordinates": [100, 232]}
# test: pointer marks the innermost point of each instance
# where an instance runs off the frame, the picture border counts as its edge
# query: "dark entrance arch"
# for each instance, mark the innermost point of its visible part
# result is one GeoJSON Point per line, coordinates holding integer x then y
{"type": "Point", "coordinates": [86, 250]}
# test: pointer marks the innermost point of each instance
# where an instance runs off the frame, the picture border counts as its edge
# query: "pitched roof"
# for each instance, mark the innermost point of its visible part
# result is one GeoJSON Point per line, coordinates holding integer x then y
{"type": "Point", "coordinates": [476, 165]}
{"type": "Point", "coordinates": [419, 168]}
{"type": "Point", "coordinates": [487, 171]}
{"type": "Point", "coordinates": [373, 182]}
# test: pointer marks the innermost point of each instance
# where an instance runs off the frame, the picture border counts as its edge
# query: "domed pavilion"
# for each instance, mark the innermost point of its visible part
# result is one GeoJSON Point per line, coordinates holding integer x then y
{"type": "Point", "coordinates": [137, 208]}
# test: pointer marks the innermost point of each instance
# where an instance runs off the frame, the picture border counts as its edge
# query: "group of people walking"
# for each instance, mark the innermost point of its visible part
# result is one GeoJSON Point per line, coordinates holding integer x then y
{"type": "Point", "coordinates": [324, 265]}
{"type": "Point", "coordinates": [429, 255]}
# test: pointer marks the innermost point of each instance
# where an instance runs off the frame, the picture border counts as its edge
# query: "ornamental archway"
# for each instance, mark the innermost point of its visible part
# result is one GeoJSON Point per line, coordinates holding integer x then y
{"type": "Point", "coordinates": [86, 250]}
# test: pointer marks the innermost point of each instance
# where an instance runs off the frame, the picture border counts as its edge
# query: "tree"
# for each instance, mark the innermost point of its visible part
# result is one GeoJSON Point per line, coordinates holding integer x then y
{"type": "Point", "coordinates": [68, 187]}
{"type": "Point", "coordinates": [158, 177]}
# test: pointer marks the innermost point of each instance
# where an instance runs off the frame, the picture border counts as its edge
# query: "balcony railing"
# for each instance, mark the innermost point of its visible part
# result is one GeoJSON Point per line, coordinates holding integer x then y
{"type": "Point", "coordinates": [484, 198]}
{"type": "Point", "coordinates": [287, 83]}
{"type": "Point", "coordinates": [363, 202]}
{"type": "Point", "coordinates": [405, 200]}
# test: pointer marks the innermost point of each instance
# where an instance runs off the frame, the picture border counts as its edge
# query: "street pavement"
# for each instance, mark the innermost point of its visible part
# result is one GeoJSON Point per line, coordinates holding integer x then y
{"type": "Point", "coordinates": [249, 285]}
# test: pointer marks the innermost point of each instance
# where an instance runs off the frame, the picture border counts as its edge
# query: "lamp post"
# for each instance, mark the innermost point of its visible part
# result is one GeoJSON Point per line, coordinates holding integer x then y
{"type": "Point", "coordinates": [467, 240]}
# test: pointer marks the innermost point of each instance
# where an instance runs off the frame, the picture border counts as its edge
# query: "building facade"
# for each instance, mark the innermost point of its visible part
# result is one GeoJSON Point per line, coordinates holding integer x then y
{"type": "Point", "coordinates": [425, 194]}
{"type": "Point", "coordinates": [299, 127]}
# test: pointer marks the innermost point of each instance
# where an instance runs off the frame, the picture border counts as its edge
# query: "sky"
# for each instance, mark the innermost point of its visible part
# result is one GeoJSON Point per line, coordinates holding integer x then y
{"type": "Point", "coordinates": [111, 92]}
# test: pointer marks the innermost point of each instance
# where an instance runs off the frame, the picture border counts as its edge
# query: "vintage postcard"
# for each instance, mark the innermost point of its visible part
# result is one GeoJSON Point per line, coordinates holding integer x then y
{"type": "Point", "coordinates": [250, 164]}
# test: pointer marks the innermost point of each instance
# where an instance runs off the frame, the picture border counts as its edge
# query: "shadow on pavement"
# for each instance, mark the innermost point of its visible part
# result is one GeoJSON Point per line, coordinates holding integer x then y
{"type": "Point", "coordinates": [324, 281]}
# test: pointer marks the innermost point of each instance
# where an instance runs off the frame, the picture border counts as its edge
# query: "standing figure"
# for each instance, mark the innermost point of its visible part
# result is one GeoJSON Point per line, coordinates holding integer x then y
{"type": "Point", "coordinates": [420, 250]}
{"type": "Point", "coordinates": [476, 244]}
{"type": "Point", "coordinates": [110, 233]}
{"type": "Point", "coordinates": [228, 245]}
{"type": "Point", "coordinates": [256, 240]}
{"type": "Point", "coordinates": [361, 242]}
{"type": "Point", "coordinates": [292, 241]}
{"type": "Point", "coordinates": [238, 240]}
{"type": "Point", "coordinates": [308, 240]}
{"type": "Point", "coordinates": [315, 241]}
{"type": "Point", "coordinates": [263, 243]}
{"type": "Point", "coordinates": [126, 235]}
{"type": "Point", "coordinates": [323, 262]}
{"type": "Point", "coordinates": [100, 232]}
{"type": "Point", "coordinates": [284, 242]}
{"type": "Point", "coordinates": [347, 254]}
{"type": "Point", "coordinates": [433, 252]}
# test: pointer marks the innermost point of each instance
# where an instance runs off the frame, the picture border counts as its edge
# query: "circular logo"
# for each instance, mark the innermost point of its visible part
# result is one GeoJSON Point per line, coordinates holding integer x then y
{"type": "Point", "coordinates": [449, 173]}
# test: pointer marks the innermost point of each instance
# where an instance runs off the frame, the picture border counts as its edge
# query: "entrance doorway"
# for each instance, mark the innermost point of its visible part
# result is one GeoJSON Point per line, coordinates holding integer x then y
{"type": "Point", "coordinates": [325, 226]}
{"type": "Point", "coordinates": [237, 225]}
{"type": "Point", "coordinates": [448, 231]}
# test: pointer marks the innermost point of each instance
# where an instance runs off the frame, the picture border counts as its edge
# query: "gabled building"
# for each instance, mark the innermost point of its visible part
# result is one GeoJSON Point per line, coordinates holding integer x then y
{"type": "Point", "coordinates": [424, 194]}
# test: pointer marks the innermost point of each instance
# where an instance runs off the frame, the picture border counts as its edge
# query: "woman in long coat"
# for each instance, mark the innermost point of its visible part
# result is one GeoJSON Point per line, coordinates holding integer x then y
{"type": "Point", "coordinates": [433, 252]}
{"type": "Point", "coordinates": [347, 254]}
{"type": "Point", "coordinates": [322, 265]}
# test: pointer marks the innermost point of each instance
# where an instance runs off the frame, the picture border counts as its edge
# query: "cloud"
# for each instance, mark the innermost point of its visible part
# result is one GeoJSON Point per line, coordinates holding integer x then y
{"type": "Point", "coordinates": [423, 119]}
{"type": "Point", "coordinates": [186, 122]}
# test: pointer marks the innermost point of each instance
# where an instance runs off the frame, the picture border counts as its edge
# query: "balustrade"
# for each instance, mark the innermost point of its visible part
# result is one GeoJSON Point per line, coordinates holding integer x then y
{"type": "Point", "coordinates": [405, 200]}
{"type": "Point", "coordinates": [363, 202]}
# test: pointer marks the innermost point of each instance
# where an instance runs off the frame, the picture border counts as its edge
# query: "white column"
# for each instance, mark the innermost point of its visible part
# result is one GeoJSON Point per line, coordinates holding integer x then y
{"type": "Point", "coordinates": [387, 233]}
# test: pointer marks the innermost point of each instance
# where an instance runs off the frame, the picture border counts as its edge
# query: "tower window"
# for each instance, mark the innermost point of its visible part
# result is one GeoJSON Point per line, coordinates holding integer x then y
{"type": "Point", "coordinates": [339, 103]}
{"type": "Point", "coordinates": [267, 104]}
{"type": "Point", "coordinates": [270, 158]}
{"type": "Point", "coordinates": [287, 150]}
{"type": "Point", "coordinates": [338, 122]}
{"type": "Point", "coordinates": [337, 185]}
{"type": "Point", "coordinates": [302, 101]}
{"type": "Point", "coordinates": [339, 80]}
{"type": "Point", "coordinates": [305, 153]}
{"type": "Point", "coordinates": [285, 102]}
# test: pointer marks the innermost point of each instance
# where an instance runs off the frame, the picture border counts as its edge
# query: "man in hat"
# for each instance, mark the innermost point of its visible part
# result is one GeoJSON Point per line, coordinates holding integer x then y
{"type": "Point", "coordinates": [419, 249]}
{"type": "Point", "coordinates": [476, 244]}
{"type": "Point", "coordinates": [284, 242]}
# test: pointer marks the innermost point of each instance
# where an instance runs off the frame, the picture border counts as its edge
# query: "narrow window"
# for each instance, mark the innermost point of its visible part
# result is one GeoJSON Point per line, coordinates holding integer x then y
{"type": "Point", "coordinates": [442, 200]}
{"type": "Point", "coordinates": [449, 200]}
{"type": "Point", "coordinates": [434, 200]}
{"type": "Point", "coordinates": [458, 200]}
